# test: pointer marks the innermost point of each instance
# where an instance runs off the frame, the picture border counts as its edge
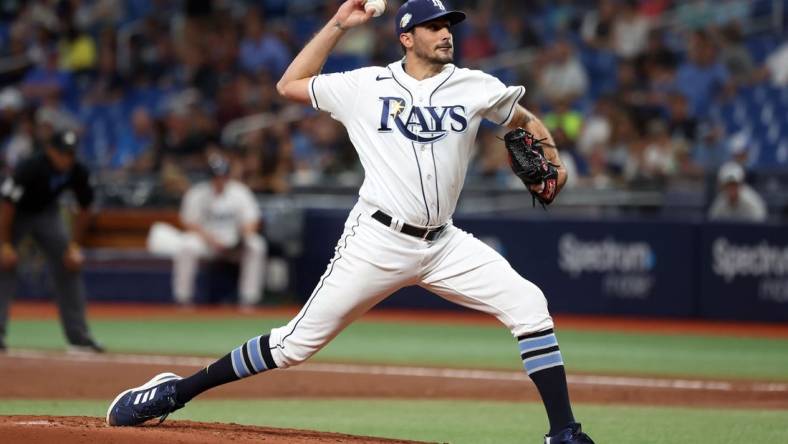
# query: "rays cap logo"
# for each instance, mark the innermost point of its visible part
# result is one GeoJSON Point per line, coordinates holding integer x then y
{"type": "Point", "coordinates": [405, 20]}
{"type": "Point", "coordinates": [416, 12]}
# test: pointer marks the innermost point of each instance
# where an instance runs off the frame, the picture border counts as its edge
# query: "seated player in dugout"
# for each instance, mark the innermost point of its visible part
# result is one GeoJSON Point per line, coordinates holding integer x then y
{"type": "Point", "coordinates": [30, 206]}
{"type": "Point", "coordinates": [221, 220]}
{"type": "Point", "coordinates": [413, 125]}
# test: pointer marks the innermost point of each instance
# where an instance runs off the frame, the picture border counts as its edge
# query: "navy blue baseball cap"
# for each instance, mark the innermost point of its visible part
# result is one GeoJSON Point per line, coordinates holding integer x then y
{"type": "Point", "coordinates": [416, 12]}
{"type": "Point", "coordinates": [65, 141]}
{"type": "Point", "coordinates": [219, 165]}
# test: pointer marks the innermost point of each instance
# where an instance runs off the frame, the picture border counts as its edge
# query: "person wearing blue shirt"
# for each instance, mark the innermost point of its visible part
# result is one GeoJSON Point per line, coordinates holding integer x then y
{"type": "Point", "coordinates": [702, 77]}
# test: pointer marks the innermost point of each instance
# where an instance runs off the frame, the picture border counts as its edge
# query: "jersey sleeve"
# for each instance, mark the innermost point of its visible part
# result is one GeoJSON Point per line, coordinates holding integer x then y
{"type": "Point", "coordinates": [500, 100]}
{"type": "Point", "coordinates": [83, 189]}
{"type": "Point", "coordinates": [335, 93]}
{"type": "Point", "coordinates": [250, 211]}
{"type": "Point", "coordinates": [190, 206]}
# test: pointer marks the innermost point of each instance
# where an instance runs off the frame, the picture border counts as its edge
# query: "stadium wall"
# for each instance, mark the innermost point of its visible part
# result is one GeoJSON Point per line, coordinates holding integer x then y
{"type": "Point", "coordinates": [667, 269]}
{"type": "Point", "coordinates": [635, 268]}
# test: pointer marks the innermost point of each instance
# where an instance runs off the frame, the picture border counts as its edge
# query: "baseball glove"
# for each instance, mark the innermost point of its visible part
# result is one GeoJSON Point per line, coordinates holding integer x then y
{"type": "Point", "coordinates": [526, 157]}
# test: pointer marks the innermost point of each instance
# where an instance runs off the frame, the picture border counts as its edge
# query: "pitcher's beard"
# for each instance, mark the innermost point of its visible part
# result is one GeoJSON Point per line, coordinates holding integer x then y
{"type": "Point", "coordinates": [436, 57]}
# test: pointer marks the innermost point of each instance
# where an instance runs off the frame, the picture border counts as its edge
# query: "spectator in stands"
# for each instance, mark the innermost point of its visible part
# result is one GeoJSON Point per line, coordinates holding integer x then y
{"type": "Point", "coordinates": [46, 81]}
{"type": "Point", "coordinates": [630, 30]}
{"type": "Point", "coordinates": [709, 152]}
{"type": "Point", "coordinates": [656, 52]}
{"type": "Point", "coordinates": [268, 159]}
{"type": "Point", "coordinates": [623, 157]}
{"type": "Point", "coordinates": [15, 57]}
{"type": "Point", "coordinates": [735, 56]}
{"type": "Point", "coordinates": [197, 72]}
{"type": "Point", "coordinates": [77, 49]}
{"type": "Point", "coordinates": [30, 207]}
{"type": "Point", "coordinates": [260, 50]}
{"type": "Point", "coordinates": [599, 177]}
{"type": "Point", "coordinates": [135, 145]}
{"type": "Point", "coordinates": [702, 78]}
{"type": "Point", "coordinates": [189, 127]}
{"type": "Point", "coordinates": [107, 86]}
{"type": "Point", "coordinates": [221, 218]}
{"type": "Point", "coordinates": [563, 117]}
{"type": "Point", "coordinates": [597, 25]}
{"type": "Point", "coordinates": [681, 124]}
{"type": "Point", "coordinates": [151, 56]}
{"type": "Point", "coordinates": [320, 146]}
{"type": "Point", "coordinates": [659, 153]}
{"type": "Point", "coordinates": [561, 75]}
{"type": "Point", "coordinates": [597, 126]}
{"type": "Point", "coordinates": [632, 94]}
{"type": "Point", "coordinates": [657, 65]}
{"type": "Point", "coordinates": [736, 201]}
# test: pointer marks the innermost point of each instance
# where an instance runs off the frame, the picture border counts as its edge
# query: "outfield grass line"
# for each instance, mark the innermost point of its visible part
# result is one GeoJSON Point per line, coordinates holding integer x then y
{"type": "Point", "coordinates": [427, 372]}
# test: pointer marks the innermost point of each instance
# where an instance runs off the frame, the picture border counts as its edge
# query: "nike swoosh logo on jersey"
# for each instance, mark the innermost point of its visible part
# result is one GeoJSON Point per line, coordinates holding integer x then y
{"type": "Point", "coordinates": [379, 78]}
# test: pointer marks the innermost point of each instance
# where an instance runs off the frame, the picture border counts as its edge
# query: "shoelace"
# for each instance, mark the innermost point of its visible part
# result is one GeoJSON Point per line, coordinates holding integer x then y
{"type": "Point", "coordinates": [165, 402]}
{"type": "Point", "coordinates": [162, 418]}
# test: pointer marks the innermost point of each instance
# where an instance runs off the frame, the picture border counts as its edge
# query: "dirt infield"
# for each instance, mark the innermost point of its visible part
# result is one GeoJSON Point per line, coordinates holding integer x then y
{"type": "Point", "coordinates": [28, 375]}
{"type": "Point", "coordinates": [71, 429]}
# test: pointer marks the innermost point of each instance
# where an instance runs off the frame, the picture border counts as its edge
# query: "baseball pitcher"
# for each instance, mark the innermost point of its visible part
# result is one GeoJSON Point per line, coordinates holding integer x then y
{"type": "Point", "coordinates": [413, 124]}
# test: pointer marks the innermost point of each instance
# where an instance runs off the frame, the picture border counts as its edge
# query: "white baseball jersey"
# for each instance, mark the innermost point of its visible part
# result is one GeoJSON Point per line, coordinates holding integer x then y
{"type": "Point", "coordinates": [414, 138]}
{"type": "Point", "coordinates": [222, 215]}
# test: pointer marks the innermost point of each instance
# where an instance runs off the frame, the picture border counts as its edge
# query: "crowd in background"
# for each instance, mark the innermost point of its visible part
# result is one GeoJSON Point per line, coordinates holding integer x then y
{"type": "Point", "coordinates": [636, 92]}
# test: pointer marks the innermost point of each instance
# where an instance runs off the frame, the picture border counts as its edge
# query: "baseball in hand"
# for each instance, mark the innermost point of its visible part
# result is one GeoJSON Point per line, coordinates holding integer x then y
{"type": "Point", "coordinates": [379, 6]}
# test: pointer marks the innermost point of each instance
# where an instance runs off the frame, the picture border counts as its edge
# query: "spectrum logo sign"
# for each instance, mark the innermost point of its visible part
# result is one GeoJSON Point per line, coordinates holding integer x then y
{"type": "Point", "coordinates": [748, 260]}
{"type": "Point", "coordinates": [625, 269]}
{"type": "Point", "coordinates": [577, 256]}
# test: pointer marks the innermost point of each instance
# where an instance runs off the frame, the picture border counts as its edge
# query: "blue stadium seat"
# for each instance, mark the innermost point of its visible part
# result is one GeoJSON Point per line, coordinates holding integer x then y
{"type": "Point", "coordinates": [781, 153]}
{"type": "Point", "coordinates": [760, 46]}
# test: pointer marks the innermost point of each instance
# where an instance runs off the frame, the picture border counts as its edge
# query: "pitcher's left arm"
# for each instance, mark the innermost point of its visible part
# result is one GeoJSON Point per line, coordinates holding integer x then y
{"type": "Point", "coordinates": [526, 119]}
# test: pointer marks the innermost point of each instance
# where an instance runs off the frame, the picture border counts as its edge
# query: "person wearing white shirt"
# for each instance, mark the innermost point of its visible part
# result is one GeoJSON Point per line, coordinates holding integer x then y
{"type": "Point", "coordinates": [736, 201]}
{"type": "Point", "coordinates": [221, 219]}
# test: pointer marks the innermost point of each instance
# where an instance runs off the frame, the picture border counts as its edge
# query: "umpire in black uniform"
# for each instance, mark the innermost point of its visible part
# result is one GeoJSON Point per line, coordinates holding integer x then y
{"type": "Point", "coordinates": [30, 206]}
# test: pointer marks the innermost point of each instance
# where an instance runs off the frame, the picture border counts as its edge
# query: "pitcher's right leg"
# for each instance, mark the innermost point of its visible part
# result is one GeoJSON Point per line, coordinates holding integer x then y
{"type": "Point", "coordinates": [369, 264]}
{"type": "Point", "coordinates": [365, 269]}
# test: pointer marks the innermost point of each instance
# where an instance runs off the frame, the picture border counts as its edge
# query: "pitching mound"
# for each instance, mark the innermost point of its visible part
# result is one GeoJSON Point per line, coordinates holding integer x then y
{"type": "Point", "coordinates": [79, 429]}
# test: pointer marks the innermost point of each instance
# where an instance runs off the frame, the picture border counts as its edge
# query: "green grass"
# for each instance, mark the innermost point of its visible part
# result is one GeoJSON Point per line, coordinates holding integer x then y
{"type": "Point", "coordinates": [471, 422]}
{"type": "Point", "coordinates": [444, 345]}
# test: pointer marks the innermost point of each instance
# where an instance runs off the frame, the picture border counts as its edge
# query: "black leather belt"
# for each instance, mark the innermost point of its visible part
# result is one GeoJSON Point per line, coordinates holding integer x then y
{"type": "Point", "coordinates": [429, 234]}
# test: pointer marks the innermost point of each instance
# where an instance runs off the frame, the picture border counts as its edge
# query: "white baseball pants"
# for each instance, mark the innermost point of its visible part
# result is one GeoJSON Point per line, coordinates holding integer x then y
{"type": "Point", "coordinates": [254, 251]}
{"type": "Point", "coordinates": [371, 261]}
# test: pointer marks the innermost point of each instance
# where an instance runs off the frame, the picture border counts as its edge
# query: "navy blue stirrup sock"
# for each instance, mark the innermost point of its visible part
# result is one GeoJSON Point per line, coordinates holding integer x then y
{"type": "Point", "coordinates": [250, 358]}
{"type": "Point", "coordinates": [543, 362]}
